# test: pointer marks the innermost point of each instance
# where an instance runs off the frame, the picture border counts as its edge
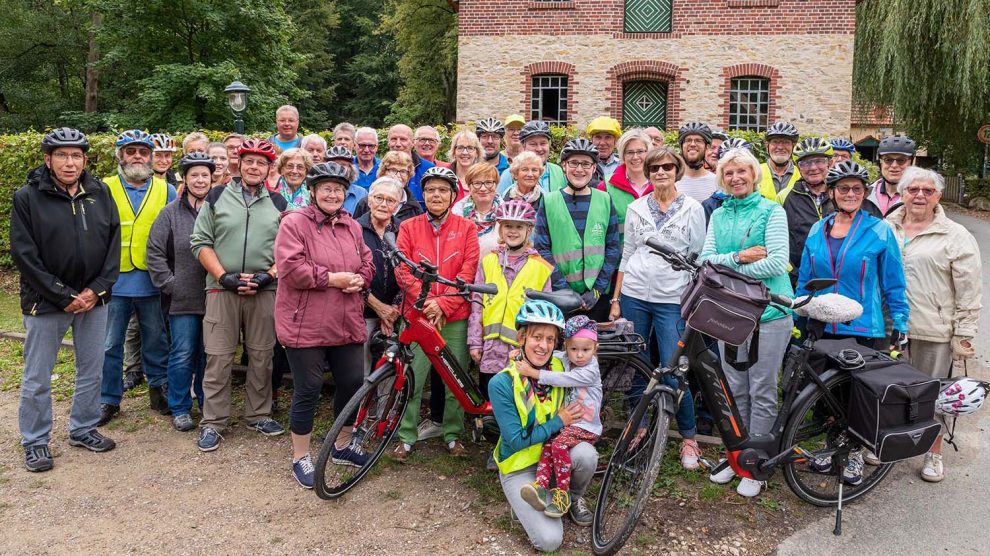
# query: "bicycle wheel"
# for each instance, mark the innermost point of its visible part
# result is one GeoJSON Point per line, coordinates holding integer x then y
{"type": "Point", "coordinates": [374, 412]}
{"type": "Point", "coordinates": [630, 475]}
{"type": "Point", "coordinates": [819, 428]}
{"type": "Point", "coordinates": [624, 377]}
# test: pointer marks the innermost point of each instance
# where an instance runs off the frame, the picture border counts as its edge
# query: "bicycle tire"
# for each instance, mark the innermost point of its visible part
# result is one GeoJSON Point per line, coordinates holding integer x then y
{"type": "Point", "coordinates": [372, 400]}
{"type": "Point", "coordinates": [619, 399]}
{"type": "Point", "coordinates": [630, 476]}
{"type": "Point", "coordinates": [808, 426]}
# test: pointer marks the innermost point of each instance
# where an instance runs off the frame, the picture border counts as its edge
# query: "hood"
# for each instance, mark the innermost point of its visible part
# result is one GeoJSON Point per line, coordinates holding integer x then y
{"type": "Point", "coordinates": [620, 181]}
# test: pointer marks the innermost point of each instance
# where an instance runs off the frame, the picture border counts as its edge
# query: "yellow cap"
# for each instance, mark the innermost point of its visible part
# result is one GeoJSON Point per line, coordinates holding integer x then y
{"type": "Point", "coordinates": [603, 124]}
{"type": "Point", "coordinates": [515, 119]}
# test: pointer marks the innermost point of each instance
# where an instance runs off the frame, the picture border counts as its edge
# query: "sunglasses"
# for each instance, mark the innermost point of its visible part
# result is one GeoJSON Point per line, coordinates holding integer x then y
{"type": "Point", "coordinates": [667, 167]}
{"type": "Point", "coordinates": [898, 160]}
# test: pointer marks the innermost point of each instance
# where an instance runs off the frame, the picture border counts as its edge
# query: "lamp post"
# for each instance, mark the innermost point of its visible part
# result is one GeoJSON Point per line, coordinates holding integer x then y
{"type": "Point", "coordinates": [237, 94]}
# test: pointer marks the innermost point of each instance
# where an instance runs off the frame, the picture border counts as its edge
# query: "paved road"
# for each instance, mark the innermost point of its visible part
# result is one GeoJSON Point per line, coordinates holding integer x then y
{"type": "Point", "coordinates": [906, 515]}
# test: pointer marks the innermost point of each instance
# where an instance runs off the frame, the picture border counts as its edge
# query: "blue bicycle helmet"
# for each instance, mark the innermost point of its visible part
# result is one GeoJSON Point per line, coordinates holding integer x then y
{"type": "Point", "coordinates": [135, 136]}
{"type": "Point", "coordinates": [843, 144]}
{"type": "Point", "coordinates": [537, 311]}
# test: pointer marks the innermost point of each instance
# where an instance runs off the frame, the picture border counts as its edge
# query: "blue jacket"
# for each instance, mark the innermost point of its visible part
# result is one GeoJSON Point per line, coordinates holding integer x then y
{"type": "Point", "coordinates": [420, 165]}
{"type": "Point", "coordinates": [868, 267]}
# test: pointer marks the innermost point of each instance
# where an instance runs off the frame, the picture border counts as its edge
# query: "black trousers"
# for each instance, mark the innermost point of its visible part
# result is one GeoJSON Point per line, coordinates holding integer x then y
{"type": "Point", "coordinates": [346, 363]}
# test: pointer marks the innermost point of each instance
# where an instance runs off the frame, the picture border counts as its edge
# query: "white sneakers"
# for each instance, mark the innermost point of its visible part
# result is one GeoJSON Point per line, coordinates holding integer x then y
{"type": "Point", "coordinates": [723, 477]}
{"type": "Point", "coordinates": [933, 471]}
{"type": "Point", "coordinates": [747, 487]}
{"type": "Point", "coordinates": [870, 458]}
{"type": "Point", "coordinates": [427, 429]}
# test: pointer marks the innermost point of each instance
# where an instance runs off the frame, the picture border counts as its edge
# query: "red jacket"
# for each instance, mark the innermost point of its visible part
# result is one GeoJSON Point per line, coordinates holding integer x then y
{"type": "Point", "coordinates": [620, 181]}
{"type": "Point", "coordinates": [308, 312]}
{"type": "Point", "coordinates": [453, 248]}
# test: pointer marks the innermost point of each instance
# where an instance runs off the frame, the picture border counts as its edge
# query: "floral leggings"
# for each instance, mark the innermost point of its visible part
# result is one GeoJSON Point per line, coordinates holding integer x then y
{"type": "Point", "coordinates": [556, 457]}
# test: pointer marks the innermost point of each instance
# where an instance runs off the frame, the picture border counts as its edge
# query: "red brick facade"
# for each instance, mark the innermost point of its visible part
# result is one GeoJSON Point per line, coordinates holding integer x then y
{"type": "Point", "coordinates": [749, 70]}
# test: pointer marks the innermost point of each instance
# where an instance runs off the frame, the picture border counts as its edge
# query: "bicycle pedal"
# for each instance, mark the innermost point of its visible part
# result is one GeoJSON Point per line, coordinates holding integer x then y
{"type": "Point", "coordinates": [706, 464]}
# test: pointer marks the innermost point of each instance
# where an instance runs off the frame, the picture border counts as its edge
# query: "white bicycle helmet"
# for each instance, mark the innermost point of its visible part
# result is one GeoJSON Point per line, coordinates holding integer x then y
{"type": "Point", "coordinates": [961, 397]}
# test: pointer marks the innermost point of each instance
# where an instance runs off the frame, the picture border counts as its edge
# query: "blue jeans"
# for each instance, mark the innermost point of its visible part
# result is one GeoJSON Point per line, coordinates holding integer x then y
{"type": "Point", "coordinates": [665, 320]}
{"type": "Point", "coordinates": [186, 362]}
{"type": "Point", "coordinates": [154, 344]}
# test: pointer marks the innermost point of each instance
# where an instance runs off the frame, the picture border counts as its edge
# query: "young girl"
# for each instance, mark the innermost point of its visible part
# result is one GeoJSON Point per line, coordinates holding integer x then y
{"type": "Point", "coordinates": [583, 379]}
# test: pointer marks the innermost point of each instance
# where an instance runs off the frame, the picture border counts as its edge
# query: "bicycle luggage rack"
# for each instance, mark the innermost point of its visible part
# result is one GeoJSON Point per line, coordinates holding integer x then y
{"type": "Point", "coordinates": [612, 343]}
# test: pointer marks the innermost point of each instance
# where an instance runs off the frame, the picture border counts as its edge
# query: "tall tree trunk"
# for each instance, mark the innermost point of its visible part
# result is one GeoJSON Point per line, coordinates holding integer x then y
{"type": "Point", "coordinates": [92, 57]}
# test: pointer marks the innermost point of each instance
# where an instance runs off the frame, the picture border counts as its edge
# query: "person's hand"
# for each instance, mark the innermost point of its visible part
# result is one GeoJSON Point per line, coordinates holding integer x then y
{"type": "Point", "coordinates": [525, 369]}
{"type": "Point", "coordinates": [232, 281]}
{"type": "Point", "coordinates": [898, 341]}
{"type": "Point", "coordinates": [514, 353]}
{"type": "Point", "coordinates": [76, 306]}
{"type": "Point", "coordinates": [614, 312]}
{"type": "Point", "coordinates": [250, 287]}
{"type": "Point", "coordinates": [439, 321]}
{"type": "Point", "coordinates": [346, 281]}
{"type": "Point", "coordinates": [355, 284]}
{"type": "Point", "coordinates": [571, 414]}
{"type": "Point", "coordinates": [431, 309]}
{"type": "Point", "coordinates": [476, 355]}
{"type": "Point", "coordinates": [262, 279]}
{"type": "Point", "coordinates": [387, 327]}
{"type": "Point", "coordinates": [753, 254]}
{"type": "Point", "coordinates": [589, 297]}
{"type": "Point", "coordinates": [962, 348]}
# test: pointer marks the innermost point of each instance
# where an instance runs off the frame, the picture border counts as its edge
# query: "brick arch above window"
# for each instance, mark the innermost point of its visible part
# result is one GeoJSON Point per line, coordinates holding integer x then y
{"type": "Point", "coordinates": [548, 67]}
{"type": "Point", "coordinates": [769, 73]}
{"type": "Point", "coordinates": [644, 70]}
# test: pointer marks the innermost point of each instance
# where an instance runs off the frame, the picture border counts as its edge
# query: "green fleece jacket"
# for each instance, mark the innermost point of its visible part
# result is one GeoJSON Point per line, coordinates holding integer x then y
{"type": "Point", "coordinates": [242, 233]}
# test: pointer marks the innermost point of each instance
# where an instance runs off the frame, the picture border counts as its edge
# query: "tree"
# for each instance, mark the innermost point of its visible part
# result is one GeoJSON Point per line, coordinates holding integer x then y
{"type": "Point", "coordinates": [929, 60]}
{"type": "Point", "coordinates": [317, 25]}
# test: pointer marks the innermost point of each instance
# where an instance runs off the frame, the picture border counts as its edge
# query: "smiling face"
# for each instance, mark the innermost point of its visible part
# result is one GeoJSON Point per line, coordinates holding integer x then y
{"type": "Point", "coordinates": [813, 169]}
{"type": "Point", "coordinates": [233, 158]}
{"type": "Point", "coordinates": [287, 123]}
{"type": "Point", "coordinates": [66, 164]}
{"type": "Point", "coordinates": [198, 180]}
{"type": "Point", "coordinates": [921, 197]}
{"type": "Point", "coordinates": [693, 149]}
{"type": "Point", "coordinates": [848, 194]}
{"type": "Point", "coordinates": [254, 169]}
{"type": "Point", "coordinates": [163, 161]}
{"type": "Point", "coordinates": [635, 155]}
{"type": "Point", "coordinates": [483, 190]}
{"type": "Point", "coordinates": [219, 156]}
{"type": "Point", "coordinates": [512, 133]}
{"type": "Point", "coordinates": [527, 176]}
{"type": "Point", "coordinates": [316, 150]}
{"type": "Point", "coordinates": [605, 143]}
{"type": "Point", "coordinates": [514, 234]}
{"type": "Point", "coordinates": [539, 146]}
{"type": "Point", "coordinates": [780, 150]}
{"type": "Point", "coordinates": [738, 179]}
{"type": "Point", "coordinates": [437, 195]}
{"type": "Point", "coordinates": [345, 139]}
{"type": "Point", "coordinates": [400, 138]}
{"type": "Point", "coordinates": [579, 169]}
{"type": "Point", "coordinates": [382, 204]}
{"type": "Point", "coordinates": [892, 166]}
{"type": "Point", "coordinates": [367, 148]}
{"type": "Point", "coordinates": [538, 341]}
{"type": "Point", "coordinates": [465, 153]}
{"type": "Point", "coordinates": [427, 142]}
{"type": "Point", "coordinates": [329, 196]}
{"type": "Point", "coordinates": [294, 171]}
{"type": "Point", "coordinates": [662, 173]}
{"type": "Point", "coordinates": [711, 154]}
{"type": "Point", "coordinates": [490, 143]}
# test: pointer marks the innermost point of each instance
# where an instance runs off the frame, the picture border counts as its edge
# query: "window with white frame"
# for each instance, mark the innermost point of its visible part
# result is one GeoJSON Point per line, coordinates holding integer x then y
{"type": "Point", "coordinates": [549, 98]}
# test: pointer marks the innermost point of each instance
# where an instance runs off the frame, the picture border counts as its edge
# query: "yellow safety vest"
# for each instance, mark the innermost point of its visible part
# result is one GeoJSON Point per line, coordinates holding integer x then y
{"type": "Point", "coordinates": [767, 187]}
{"type": "Point", "coordinates": [498, 319]}
{"type": "Point", "coordinates": [526, 401]}
{"type": "Point", "coordinates": [134, 229]}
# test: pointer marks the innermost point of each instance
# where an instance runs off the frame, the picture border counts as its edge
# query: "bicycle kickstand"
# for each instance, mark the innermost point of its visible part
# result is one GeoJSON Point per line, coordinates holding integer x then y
{"type": "Point", "coordinates": [838, 512]}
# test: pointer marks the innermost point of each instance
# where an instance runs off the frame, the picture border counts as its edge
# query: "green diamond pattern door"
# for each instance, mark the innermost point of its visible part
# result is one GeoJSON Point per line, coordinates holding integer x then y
{"type": "Point", "coordinates": [648, 16]}
{"type": "Point", "coordinates": [644, 104]}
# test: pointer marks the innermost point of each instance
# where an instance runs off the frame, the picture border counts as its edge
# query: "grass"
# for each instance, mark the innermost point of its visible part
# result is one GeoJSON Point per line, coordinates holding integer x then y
{"type": "Point", "coordinates": [10, 313]}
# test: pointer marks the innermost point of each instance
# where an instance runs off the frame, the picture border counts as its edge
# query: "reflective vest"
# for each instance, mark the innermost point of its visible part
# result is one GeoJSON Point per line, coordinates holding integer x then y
{"type": "Point", "coordinates": [498, 319]}
{"type": "Point", "coordinates": [767, 187]}
{"type": "Point", "coordinates": [524, 395]}
{"type": "Point", "coordinates": [134, 230]}
{"type": "Point", "coordinates": [621, 199]}
{"type": "Point", "coordinates": [555, 177]}
{"type": "Point", "coordinates": [579, 259]}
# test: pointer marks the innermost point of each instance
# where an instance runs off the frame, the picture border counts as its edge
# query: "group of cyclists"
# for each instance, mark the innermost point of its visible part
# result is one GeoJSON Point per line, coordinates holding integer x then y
{"type": "Point", "coordinates": [280, 245]}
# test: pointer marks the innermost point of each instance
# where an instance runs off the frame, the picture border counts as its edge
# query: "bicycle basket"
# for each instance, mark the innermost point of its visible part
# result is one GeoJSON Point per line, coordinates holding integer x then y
{"type": "Point", "coordinates": [724, 304]}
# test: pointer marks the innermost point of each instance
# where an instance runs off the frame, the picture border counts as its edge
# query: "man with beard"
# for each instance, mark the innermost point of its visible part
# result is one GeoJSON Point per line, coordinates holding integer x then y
{"type": "Point", "coordinates": [65, 241]}
{"type": "Point", "coordinates": [778, 171]}
{"type": "Point", "coordinates": [604, 132]}
{"type": "Point", "coordinates": [577, 231]}
{"type": "Point", "coordinates": [490, 132]}
{"type": "Point", "coordinates": [139, 196]}
{"type": "Point", "coordinates": [698, 183]}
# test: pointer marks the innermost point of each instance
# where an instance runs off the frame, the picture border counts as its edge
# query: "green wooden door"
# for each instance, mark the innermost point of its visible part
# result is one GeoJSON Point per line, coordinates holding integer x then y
{"type": "Point", "coordinates": [644, 104]}
{"type": "Point", "coordinates": [648, 16]}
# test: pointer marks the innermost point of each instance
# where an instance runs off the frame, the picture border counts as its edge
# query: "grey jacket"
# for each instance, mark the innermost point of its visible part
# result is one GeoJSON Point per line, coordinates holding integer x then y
{"type": "Point", "coordinates": [171, 264]}
{"type": "Point", "coordinates": [584, 385]}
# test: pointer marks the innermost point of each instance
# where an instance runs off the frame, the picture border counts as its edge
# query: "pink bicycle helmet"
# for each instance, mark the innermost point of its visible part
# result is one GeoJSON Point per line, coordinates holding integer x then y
{"type": "Point", "coordinates": [516, 210]}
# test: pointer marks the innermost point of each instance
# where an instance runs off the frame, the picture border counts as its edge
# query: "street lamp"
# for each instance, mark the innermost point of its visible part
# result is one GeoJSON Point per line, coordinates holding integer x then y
{"type": "Point", "coordinates": [237, 94]}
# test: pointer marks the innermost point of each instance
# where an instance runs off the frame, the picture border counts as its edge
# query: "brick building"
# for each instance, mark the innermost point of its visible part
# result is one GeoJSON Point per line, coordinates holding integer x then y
{"type": "Point", "coordinates": [735, 64]}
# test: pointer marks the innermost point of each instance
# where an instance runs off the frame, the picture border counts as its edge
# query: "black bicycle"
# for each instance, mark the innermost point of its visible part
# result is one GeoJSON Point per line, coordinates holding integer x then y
{"type": "Point", "coordinates": [810, 439]}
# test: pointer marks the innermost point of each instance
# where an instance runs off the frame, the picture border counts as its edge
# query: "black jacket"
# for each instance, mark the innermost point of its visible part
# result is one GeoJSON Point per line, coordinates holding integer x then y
{"type": "Point", "coordinates": [63, 245]}
{"type": "Point", "coordinates": [383, 284]}
{"type": "Point", "coordinates": [802, 213]}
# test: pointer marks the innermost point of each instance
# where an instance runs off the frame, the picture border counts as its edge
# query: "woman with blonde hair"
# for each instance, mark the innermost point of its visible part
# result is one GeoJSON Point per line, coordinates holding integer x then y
{"type": "Point", "coordinates": [465, 151]}
{"type": "Point", "coordinates": [480, 204]}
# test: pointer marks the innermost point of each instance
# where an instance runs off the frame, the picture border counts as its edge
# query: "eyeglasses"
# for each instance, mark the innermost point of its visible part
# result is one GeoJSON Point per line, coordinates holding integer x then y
{"type": "Point", "coordinates": [464, 149]}
{"type": "Point", "coordinates": [330, 190]}
{"type": "Point", "coordinates": [667, 167]}
{"type": "Point", "coordinates": [820, 162]}
{"type": "Point", "coordinates": [695, 141]}
{"type": "Point", "coordinates": [484, 184]}
{"type": "Point", "coordinates": [427, 140]}
{"type": "Point", "coordinates": [396, 172]}
{"type": "Point", "coordinates": [75, 157]}
{"type": "Point", "coordinates": [383, 200]}
{"type": "Point", "coordinates": [845, 190]}
{"type": "Point", "coordinates": [296, 167]}
{"type": "Point", "coordinates": [366, 146]}
{"type": "Point", "coordinates": [637, 152]}
{"type": "Point", "coordinates": [131, 151]}
{"type": "Point", "coordinates": [892, 160]}
{"type": "Point", "coordinates": [583, 164]}
{"type": "Point", "coordinates": [926, 191]}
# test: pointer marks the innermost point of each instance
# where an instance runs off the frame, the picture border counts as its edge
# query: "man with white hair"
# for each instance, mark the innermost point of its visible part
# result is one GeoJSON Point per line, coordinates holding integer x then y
{"type": "Point", "coordinates": [287, 123]}
{"type": "Point", "coordinates": [400, 138]}
{"type": "Point", "coordinates": [427, 142]}
{"type": "Point", "coordinates": [315, 145]}
{"type": "Point", "coordinates": [365, 148]}
{"type": "Point", "coordinates": [343, 135]}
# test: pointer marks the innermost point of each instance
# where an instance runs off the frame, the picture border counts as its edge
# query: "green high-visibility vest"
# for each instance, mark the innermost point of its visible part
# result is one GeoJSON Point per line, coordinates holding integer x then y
{"type": "Point", "coordinates": [579, 259]}
{"type": "Point", "coordinates": [555, 177]}
{"type": "Point", "coordinates": [620, 200]}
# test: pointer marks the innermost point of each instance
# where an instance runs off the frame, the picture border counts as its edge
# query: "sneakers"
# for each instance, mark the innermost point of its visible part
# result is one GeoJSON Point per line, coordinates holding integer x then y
{"type": "Point", "coordinates": [352, 455]}
{"type": "Point", "coordinates": [933, 471]}
{"type": "Point", "coordinates": [107, 413]}
{"type": "Point", "coordinates": [38, 458]}
{"type": "Point", "coordinates": [428, 429]}
{"type": "Point", "coordinates": [558, 504]}
{"type": "Point", "coordinates": [822, 464]}
{"type": "Point", "coordinates": [132, 380]}
{"type": "Point", "coordinates": [183, 423]}
{"type": "Point", "coordinates": [401, 452]}
{"type": "Point", "coordinates": [690, 452]}
{"type": "Point", "coordinates": [870, 458]}
{"type": "Point", "coordinates": [580, 514]}
{"type": "Point", "coordinates": [534, 495]}
{"type": "Point", "coordinates": [267, 427]}
{"type": "Point", "coordinates": [491, 465]}
{"type": "Point", "coordinates": [852, 475]}
{"type": "Point", "coordinates": [303, 471]}
{"type": "Point", "coordinates": [749, 488]}
{"type": "Point", "coordinates": [456, 449]}
{"type": "Point", "coordinates": [158, 399]}
{"type": "Point", "coordinates": [724, 476]}
{"type": "Point", "coordinates": [209, 439]}
{"type": "Point", "coordinates": [92, 441]}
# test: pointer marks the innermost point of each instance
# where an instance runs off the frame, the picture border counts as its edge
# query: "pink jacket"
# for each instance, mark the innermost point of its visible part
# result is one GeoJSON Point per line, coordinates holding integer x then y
{"type": "Point", "coordinates": [308, 312]}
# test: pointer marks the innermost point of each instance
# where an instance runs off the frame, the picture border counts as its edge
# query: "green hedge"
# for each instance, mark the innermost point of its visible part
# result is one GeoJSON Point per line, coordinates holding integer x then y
{"type": "Point", "coordinates": [19, 153]}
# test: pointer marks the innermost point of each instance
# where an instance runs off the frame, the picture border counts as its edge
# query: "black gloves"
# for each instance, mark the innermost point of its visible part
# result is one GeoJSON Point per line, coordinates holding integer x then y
{"type": "Point", "coordinates": [231, 281]}
{"type": "Point", "coordinates": [262, 279]}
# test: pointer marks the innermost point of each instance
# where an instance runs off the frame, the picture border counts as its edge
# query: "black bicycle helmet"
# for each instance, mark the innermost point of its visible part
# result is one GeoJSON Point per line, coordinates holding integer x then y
{"type": "Point", "coordinates": [694, 128]}
{"type": "Point", "coordinates": [897, 144]}
{"type": "Point", "coordinates": [578, 146]}
{"type": "Point", "coordinates": [490, 125]}
{"type": "Point", "coordinates": [445, 174]}
{"type": "Point", "coordinates": [338, 152]}
{"type": "Point", "coordinates": [64, 137]}
{"type": "Point", "coordinates": [847, 169]}
{"type": "Point", "coordinates": [534, 128]}
{"type": "Point", "coordinates": [328, 171]}
{"type": "Point", "coordinates": [196, 159]}
{"type": "Point", "coordinates": [782, 129]}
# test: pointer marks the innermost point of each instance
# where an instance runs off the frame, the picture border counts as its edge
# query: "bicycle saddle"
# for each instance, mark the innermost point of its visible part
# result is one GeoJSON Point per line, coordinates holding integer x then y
{"type": "Point", "coordinates": [566, 300]}
{"type": "Point", "coordinates": [831, 308]}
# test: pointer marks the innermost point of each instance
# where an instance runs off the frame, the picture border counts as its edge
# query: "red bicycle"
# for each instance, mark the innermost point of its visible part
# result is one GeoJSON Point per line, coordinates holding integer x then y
{"type": "Point", "coordinates": [377, 407]}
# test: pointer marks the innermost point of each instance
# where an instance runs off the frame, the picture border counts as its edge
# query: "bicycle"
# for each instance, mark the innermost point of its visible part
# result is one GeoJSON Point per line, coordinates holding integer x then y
{"type": "Point", "coordinates": [811, 426]}
{"type": "Point", "coordinates": [377, 407]}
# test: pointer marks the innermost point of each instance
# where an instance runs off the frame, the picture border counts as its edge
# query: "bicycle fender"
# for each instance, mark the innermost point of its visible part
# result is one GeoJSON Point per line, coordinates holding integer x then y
{"type": "Point", "coordinates": [380, 371]}
{"type": "Point", "coordinates": [671, 406]}
{"type": "Point", "coordinates": [810, 389]}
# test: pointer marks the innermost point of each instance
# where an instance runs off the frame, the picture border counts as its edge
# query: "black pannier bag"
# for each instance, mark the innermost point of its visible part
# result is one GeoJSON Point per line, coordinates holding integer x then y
{"type": "Point", "coordinates": [892, 410]}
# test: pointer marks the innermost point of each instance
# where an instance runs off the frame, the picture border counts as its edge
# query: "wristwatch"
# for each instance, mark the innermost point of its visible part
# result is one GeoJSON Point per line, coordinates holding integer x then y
{"type": "Point", "coordinates": [735, 258]}
{"type": "Point", "coordinates": [614, 300]}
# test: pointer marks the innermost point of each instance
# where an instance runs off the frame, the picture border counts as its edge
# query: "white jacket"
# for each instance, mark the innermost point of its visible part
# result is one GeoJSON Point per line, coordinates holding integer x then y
{"type": "Point", "coordinates": [944, 278]}
{"type": "Point", "coordinates": [646, 275]}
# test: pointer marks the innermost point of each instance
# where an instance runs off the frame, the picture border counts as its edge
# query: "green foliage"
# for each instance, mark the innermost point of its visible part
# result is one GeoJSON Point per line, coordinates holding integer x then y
{"type": "Point", "coordinates": [317, 23]}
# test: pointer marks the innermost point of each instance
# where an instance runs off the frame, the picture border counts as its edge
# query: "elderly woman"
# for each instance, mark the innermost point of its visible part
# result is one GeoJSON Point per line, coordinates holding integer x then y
{"type": "Point", "coordinates": [292, 165]}
{"type": "Point", "coordinates": [647, 290]}
{"type": "Point", "coordinates": [327, 274]}
{"type": "Point", "coordinates": [398, 166]}
{"type": "Point", "coordinates": [465, 151]}
{"type": "Point", "coordinates": [748, 234]}
{"type": "Point", "coordinates": [629, 181]}
{"type": "Point", "coordinates": [380, 310]}
{"type": "Point", "coordinates": [218, 152]}
{"type": "Point", "coordinates": [526, 169]}
{"type": "Point", "coordinates": [315, 146]}
{"type": "Point", "coordinates": [944, 278]}
{"type": "Point", "coordinates": [480, 204]}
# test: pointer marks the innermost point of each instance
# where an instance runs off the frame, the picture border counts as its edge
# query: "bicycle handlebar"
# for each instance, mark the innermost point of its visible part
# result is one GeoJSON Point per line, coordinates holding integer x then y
{"type": "Point", "coordinates": [426, 269]}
